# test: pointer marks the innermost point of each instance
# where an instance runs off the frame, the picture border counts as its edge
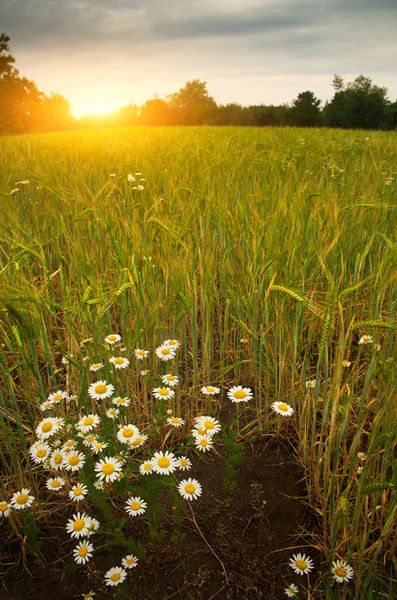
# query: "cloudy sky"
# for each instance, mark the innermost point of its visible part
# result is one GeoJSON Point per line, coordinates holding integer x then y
{"type": "Point", "coordinates": [107, 53]}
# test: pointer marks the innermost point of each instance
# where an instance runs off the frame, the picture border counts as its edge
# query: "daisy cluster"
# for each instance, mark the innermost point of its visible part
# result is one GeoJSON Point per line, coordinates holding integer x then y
{"type": "Point", "coordinates": [302, 565]}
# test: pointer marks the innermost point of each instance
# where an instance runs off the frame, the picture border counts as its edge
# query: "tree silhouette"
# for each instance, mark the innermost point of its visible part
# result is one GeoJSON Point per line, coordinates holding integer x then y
{"type": "Point", "coordinates": [305, 110]}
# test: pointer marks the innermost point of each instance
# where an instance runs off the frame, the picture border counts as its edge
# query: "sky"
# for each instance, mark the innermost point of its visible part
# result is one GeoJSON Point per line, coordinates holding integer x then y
{"type": "Point", "coordinates": [104, 54]}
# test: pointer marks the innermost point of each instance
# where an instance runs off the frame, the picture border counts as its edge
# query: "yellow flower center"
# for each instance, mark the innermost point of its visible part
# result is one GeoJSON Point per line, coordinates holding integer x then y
{"type": "Point", "coordinates": [57, 459]}
{"type": "Point", "coordinates": [129, 561]}
{"type": "Point", "coordinates": [190, 488]}
{"type": "Point", "coordinates": [3, 506]}
{"type": "Point", "coordinates": [208, 424]}
{"type": "Point", "coordinates": [128, 432]}
{"type": "Point", "coordinates": [147, 467]}
{"type": "Point", "coordinates": [119, 361]}
{"type": "Point", "coordinates": [112, 338]}
{"type": "Point", "coordinates": [283, 407]}
{"type": "Point", "coordinates": [170, 377]}
{"type": "Point", "coordinates": [88, 421]}
{"type": "Point", "coordinates": [301, 564]}
{"type": "Point", "coordinates": [73, 460]}
{"type": "Point", "coordinates": [135, 506]}
{"type": "Point", "coordinates": [22, 499]}
{"type": "Point", "coordinates": [203, 442]}
{"type": "Point", "coordinates": [163, 392]}
{"type": "Point", "coordinates": [78, 525]}
{"type": "Point", "coordinates": [90, 438]}
{"type": "Point", "coordinates": [341, 572]}
{"type": "Point", "coordinates": [202, 430]}
{"type": "Point", "coordinates": [78, 491]}
{"type": "Point", "coordinates": [172, 342]}
{"type": "Point", "coordinates": [210, 389]}
{"type": "Point", "coordinates": [166, 351]}
{"type": "Point", "coordinates": [101, 389]}
{"type": "Point", "coordinates": [41, 453]}
{"type": "Point", "coordinates": [175, 420]}
{"type": "Point", "coordinates": [136, 442]}
{"type": "Point", "coordinates": [108, 468]}
{"type": "Point", "coordinates": [46, 427]}
{"type": "Point", "coordinates": [163, 462]}
{"type": "Point", "coordinates": [115, 577]}
{"type": "Point", "coordinates": [240, 394]}
{"type": "Point", "coordinates": [95, 366]}
{"type": "Point", "coordinates": [55, 484]}
{"type": "Point", "coordinates": [183, 462]}
{"type": "Point", "coordinates": [141, 353]}
{"type": "Point", "coordinates": [83, 551]}
{"type": "Point", "coordinates": [57, 397]}
{"type": "Point", "coordinates": [69, 444]}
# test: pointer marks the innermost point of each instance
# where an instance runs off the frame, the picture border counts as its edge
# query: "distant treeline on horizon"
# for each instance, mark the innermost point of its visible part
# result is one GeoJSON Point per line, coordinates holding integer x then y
{"type": "Point", "coordinates": [355, 105]}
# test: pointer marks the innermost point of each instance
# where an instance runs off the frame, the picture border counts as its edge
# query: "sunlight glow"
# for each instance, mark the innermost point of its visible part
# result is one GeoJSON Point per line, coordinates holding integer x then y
{"type": "Point", "coordinates": [97, 109]}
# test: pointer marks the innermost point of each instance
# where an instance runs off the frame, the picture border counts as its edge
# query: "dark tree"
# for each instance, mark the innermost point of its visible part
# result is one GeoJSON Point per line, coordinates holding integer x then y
{"type": "Point", "coordinates": [192, 105]}
{"type": "Point", "coordinates": [305, 110]}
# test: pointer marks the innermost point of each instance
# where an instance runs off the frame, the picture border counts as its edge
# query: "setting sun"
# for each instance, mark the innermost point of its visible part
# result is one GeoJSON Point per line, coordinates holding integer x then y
{"type": "Point", "coordinates": [96, 109]}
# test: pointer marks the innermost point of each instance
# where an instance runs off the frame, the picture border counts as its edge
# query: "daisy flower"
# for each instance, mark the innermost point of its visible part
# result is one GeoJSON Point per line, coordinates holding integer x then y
{"type": "Point", "coordinates": [78, 525]}
{"type": "Point", "coordinates": [88, 440]}
{"type": "Point", "coordinates": [203, 442]}
{"type": "Point", "coordinates": [189, 489]}
{"type": "Point", "coordinates": [282, 409]}
{"type": "Point", "coordinates": [301, 564]}
{"type": "Point", "coordinates": [209, 390]}
{"type": "Point", "coordinates": [96, 367]}
{"type": "Point", "coordinates": [119, 401]}
{"type": "Point", "coordinates": [164, 463]}
{"type": "Point", "coordinates": [69, 445]}
{"type": "Point", "coordinates": [346, 363]}
{"type": "Point", "coordinates": [108, 469]}
{"type": "Point", "coordinates": [89, 595]}
{"type": "Point", "coordinates": [5, 509]}
{"type": "Point", "coordinates": [163, 392]}
{"type": "Point", "coordinates": [311, 384]}
{"type": "Point", "coordinates": [64, 360]}
{"type": "Point", "coordinates": [47, 405]}
{"type": "Point", "coordinates": [83, 552]}
{"type": "Point", "coordinates": [55, 483]}
{"type": "Point", "coordinates": [291, 590]}
{"type": "Point", "coordinates": [73, 461]}
{"type": "Point", "coordinates": [98, 447]}
{"type": "Point", "coordinates": [119, 362]}
{"type": "Point", "coordinates": [78, 492]}
{"type": "Point", "coordinates": [93, 526]}
{"type": "Point", "coordinates": [135, 506]}
{"type": "Point", "coordinates": [239, 394]}
{"type": "Point", "coordinates": [171, 380]}
{"type": "Point", "coordinates": [165, 352]}
{"type": "Point", "coordinates": [113, 338]}
{"type": "Point", "coordinates": [46, 428]}
{"type": "Point", "coordinates": [57, 396]}
{"type": "Point", "coordinates": [112, 413]}
{"type": "Point", "coordinates": [365, 339]}
{"type": "Point", "coordinates": [341, 571]}
{"type": "Point", "coordinates": [361, 456]}
{"type": "Point", "coordinates": [100, 390]}
{"type": "Point", "coordinates": [98, 485]}
{"type": "Point", "coordinates": [88, 422]}
{"type": "Point", "coordinates": [175, 421]}
{"type": "Point", "coordinates": [174, 344]}
{"type": "Point", "coordinates": [56, 460]}
{"type": "Point", "coordinates": [21, 500]}
{"type": "Point", "coordinates": [184, 464]}
{"type": "Point", "coordinates": [144, 372]}
{"type": "Point", "coordinates": [139, 440]}
{"type": "Point", "coordinates": [210, 424]}
{"type": "Point", "coordinates": [126, 433]}
{"type": "Point", "coordinates": [146, 468]}
{"type": "Point", "coordinates": [115, 576]}
{"type": "Point", "coordinates": [359, 470]}
{"type": "Point", "coordinates": [39, 452]}
{"type": "Point", "coordinates": [141, 354]}
{"type": "Point", "coordinates": [130, 178]}
{"type": "Point", "coordinates": [130, 561]}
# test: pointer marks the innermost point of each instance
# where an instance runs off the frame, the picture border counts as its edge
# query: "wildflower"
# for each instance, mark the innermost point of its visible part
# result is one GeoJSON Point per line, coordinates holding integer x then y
{"type": "Point", "coordinates": [291, 590]}
{"type": "Point", "coordinates": [146, 468]}
{"type": "Point", "coordinates": [239, 394]}
{"type": "Point", "coordinates": [164, 463]}
{"type": "Point", "coordinates": [57, 396]}
{"type": "Point", "coordinates": [144, 372]}
{"type": "Point", "coordinates": [365, 339]}
{"type": "Point", "coordinates": [301, 564]}
{"type": "Point", "coordinates": [112, 413]}
{"type": "Point", "coordinates": [135, 506]}
{"type": "Point", "coordinates": [14, 191]}
{"type": "Point", "coordinates": [121, 401]}
{"type": "Point", "coordinates": [130, 561]}
{"type": "Point", "coordinates": [141, 354]}
{"type": "Point", "coordinates": [100, 390]}
{"type": "Point", "coordinates": [130, 178]}
{"type": "Point", "coordinates": [108, 469]}
{"type": "Point", "coordinates": [127, 433]}
{"type": "Point", "coordinates": [98, 485]}
{"type": "Point", "coordinates": [210, 390]}
{"type": "Point", "coordinates": [83, 552]}
{"type": "Point", "coordinates": [89, 595]}
{"type": "Point", "coordinates": [244, 340]}
{"type": "Point", "coordinates": [88, 422]}
{"type": "Point", "coordinates": [175, 421]}
{"type": "Point", "coordinates": [359, 470]}
{"type": "Point", "coordinates": [115, 576]}
{"type": "Point", "coordinates": [113, 338]}
{"type": "Point", "coordinates": [98, 447]}
{"type": "Point", "coordinates": [342, 571]}
{"type": "Point", "coordinates": [209, 424]}
{"type": "Point", "coordinates": [361, 456]}
{"type": "Point", "coordinates": [119, 362]}
{"type": "Point", "coordinates": [189, 489]}
{"type": "Point", "coordinates": [78, 525]}
{"type": "Point", "coordinates": [47, 405]}
{"type": "Point", "coordinates": [88, 440]}
{"type": "Point", "coordinates": [55, 483]}
{"type": "Point", "coordinates": [46, 428]}
{"type": "Point", "coordinates": [69, 445]}
{"type": "Point", "coordinates": [311, 384]}
{"type": "Point", "coordinates": [64, 360]}
{"type": "Point", "coordinates": [96, 367]}
{"type": "Point", "coordinates": [5, 509]}
{"type": "Point", "coordinates": [39, 452]}
{"type": "Point", "coordinates": [165, 352]}
{"type": "Point", "coordinates": [174, 344]}
{"type": "Point", "coordinates": [56, 460]}
{"type": "Point", "coordinates": [21, 500]}
{"type": "Point", "coordinates": [73, 461]}
{"type": "Point", "coordinates": [93, 525]}
{"type": "Point", "coordinates": [139, 440]}
{"type": "Point", "coordinates": [163, 392]}
{"type": "Point", "coordinates": [171, 380]}
{"type": "Point", "coordinates": [203, 442]}
{"type": "Point", "coordinates": [78, 492]}
{"type": "Point", "coordinates": [346, 363]}
{"type": "Point", "coordinates": [282, 409]}
{"type": "Point", "coordinates": [184, 464]}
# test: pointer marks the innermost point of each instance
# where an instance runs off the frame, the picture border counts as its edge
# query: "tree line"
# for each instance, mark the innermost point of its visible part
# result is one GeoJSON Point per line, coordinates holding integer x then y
{"type": "Point", "coordinates": [355, 105]}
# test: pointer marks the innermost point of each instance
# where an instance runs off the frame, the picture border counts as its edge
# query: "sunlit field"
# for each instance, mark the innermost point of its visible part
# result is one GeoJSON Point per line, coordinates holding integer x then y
{"type": "Point", "coordinates": [238, 282]}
